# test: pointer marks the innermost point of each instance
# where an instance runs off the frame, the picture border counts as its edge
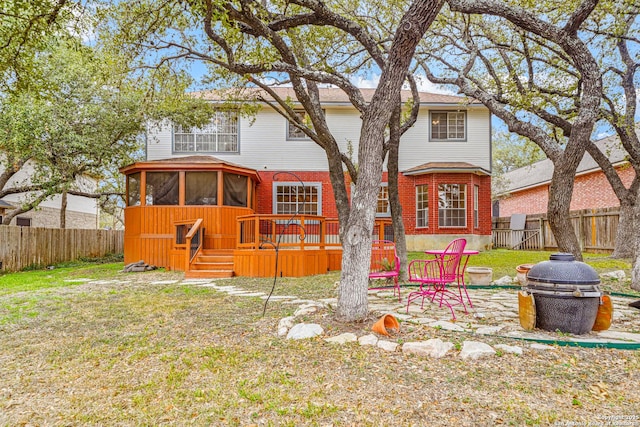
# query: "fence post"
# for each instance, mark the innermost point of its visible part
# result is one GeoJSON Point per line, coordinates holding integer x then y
{"type": "Point", "coordinates": [581, 236]}
{"type": "Point", "coordinates": [541, 234]}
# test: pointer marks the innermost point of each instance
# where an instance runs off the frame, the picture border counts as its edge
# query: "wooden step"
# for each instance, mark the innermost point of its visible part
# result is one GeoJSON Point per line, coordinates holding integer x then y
{"type": "Point", "coordinates": [208, 274]}
{"type": "Point", "coordinates": [215, 258]}
{"type": "Point", "coordinates": [212, 263]}
{"type": "Point", "coordinates": [201, 265]}
{"type": "Point", "coordinates": [225, 252]}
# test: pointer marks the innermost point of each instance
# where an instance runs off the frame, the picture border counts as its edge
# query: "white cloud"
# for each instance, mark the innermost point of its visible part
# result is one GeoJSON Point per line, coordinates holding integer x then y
{"type": "Point", "coordinates": [366, 83]}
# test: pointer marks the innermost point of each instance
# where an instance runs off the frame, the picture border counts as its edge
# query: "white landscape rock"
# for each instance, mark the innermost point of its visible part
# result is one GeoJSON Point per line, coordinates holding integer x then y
{"type": "Point", "coordinates": [447, 326]}
{"type": "Point", "coordinates": [620, 335]}
{"type": "Point", "coordinates": [488, 330]}
{"type": "Point", "coordinates": [617, 275]}
{"type": "Point", "coordinates": [368, 340]}
{"type": "Point", "coordinates": [387, 345]}
{"type": "Point", "coordinates": [504, 280]}
{"type": "Point", "coordinates": [305, 309]}
{"type": "Point", "coordinates": [304, 330]}
{"type": "Point", "coordinates": [476, 350]}
{"type": "Point", "coordinates": [284, 325]}
{"type": "Point", "coordinates": [514, 349]}
{"type": "Point", "coordinates": [422, 320]}
{"type": "Point", "coordinates": [402, 316]}
{"type": "Point", "coordinates": [542, 347]}
{"type": "Point", "coordinates": [435, 348]}
{"type": "Point", "coordinates": [277, 297]}
{"type": "Point", "coordinates": [343, 338]}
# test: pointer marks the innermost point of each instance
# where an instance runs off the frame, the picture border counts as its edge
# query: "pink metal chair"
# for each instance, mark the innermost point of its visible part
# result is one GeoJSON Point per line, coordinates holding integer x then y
{"type": "Point", "coordinates": [385, 264]}
{"type": "Point", "coordinates": [434, 276]}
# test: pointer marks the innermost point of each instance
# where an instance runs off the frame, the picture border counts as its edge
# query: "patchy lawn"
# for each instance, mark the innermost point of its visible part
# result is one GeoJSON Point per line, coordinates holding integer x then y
{"type": "Point", "coordinates": [135, 349]}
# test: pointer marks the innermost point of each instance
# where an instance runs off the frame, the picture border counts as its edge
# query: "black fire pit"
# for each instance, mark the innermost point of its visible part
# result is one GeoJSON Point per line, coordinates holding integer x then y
{"type": "Point", "coordinates": [566, 293]}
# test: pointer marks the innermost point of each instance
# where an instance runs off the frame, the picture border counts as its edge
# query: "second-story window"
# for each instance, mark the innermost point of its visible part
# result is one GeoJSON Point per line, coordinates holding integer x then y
{"type": "Point", "coordinates": [448, 126]}
{"type": "Point", "coordinates": [218, 136]}
{"type": "Point", "coordinates": [295, 133]}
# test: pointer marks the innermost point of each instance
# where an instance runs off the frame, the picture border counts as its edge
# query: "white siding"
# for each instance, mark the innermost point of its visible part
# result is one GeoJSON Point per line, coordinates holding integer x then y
{"type": "Point", "coordinates": [74, 203]}
{"type": "Point", "coordinates": [264, 146]}
{"type": "Point", "coordinates": [416, 149]}
{"type": "Point", "coordinates": [159, 140]}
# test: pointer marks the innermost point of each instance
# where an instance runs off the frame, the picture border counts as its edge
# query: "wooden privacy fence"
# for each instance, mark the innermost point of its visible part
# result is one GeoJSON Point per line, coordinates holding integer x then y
{"type": "Point", "coordinates": [21, 247]}
{"type": "Point", "coordinates": [596, 231]}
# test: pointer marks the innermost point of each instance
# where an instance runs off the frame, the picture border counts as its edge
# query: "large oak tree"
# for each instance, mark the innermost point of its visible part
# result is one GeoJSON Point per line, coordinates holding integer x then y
{"type": "Point", "coordinates": [305, 44]}
{"type": "Point", "coordinates": [532, 69]}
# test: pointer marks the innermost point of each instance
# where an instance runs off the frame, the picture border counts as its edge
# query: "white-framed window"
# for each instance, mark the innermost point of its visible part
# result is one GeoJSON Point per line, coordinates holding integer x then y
{"type": "Point", "coordinates": [422, 206]}
{"type": "Point", "coordinates": [383, 209]}
{"type": "Point", "coordinates": [292, 197]}
{"type": "Point", "coordinates": [294, 133]}
{"type": "Point", "coordinates": [452, 205]}
{"type": "Point", "coordinates": [476, 213]}
{"type": "Point", "coordinates": [220, 135]}
{"type": "Point", "coordinates": [448, 125]}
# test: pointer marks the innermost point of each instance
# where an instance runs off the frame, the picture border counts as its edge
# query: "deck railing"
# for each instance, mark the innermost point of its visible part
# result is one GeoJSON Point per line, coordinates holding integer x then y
{"type": "Point", "coordinates": [310, 231]}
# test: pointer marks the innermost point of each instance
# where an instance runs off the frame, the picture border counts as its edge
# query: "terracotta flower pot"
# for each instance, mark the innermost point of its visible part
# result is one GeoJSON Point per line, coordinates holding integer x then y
{"type": "Point", "coordinates": [522, 270]}
{"type": "Point", "coordinates": [386, 324]}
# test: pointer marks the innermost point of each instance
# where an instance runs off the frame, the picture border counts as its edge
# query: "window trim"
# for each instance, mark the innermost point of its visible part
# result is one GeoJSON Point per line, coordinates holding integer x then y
{"type": "Point", "coordinates": [388, 213]}
{"type": "Point", "coordinates": [194, 151]}
{"type": "Point", "coordinates": [466, 206]}
{"type": "Point", "coordinates": [274, 194]}
{"type": "Point", "coordinates": [476, 210]}
{"type": "Point", "coordinates": [466, 121]}
{"type": "Point", "coordinates": [419, 186]}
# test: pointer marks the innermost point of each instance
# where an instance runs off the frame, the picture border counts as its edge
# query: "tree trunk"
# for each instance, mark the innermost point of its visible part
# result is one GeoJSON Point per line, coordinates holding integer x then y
{"type": "Point", "coordinates": [394, 197]}
{"type": "Point", "coordinates": [627, 219]}
{"type": "Point", "coordinates": [356, 245]}
{"type": "Point", "coordinates": [560, 192]}
{"type": "Point", "coordinates": [63, 210]}
{"type": "Point", "coordinates": [634, 244]}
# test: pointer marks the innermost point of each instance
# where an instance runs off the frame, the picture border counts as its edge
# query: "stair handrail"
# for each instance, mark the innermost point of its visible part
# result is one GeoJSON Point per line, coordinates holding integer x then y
{"type": "Point", "coordinates": [194, 240]}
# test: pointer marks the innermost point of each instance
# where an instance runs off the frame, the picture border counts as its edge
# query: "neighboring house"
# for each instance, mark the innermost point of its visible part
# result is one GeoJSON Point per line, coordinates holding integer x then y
{"type": "Point", "coordinates": [81, 212]}
{"type": "Point", "coordinates": [4, 207]}
{"type": "Point", "coordinates": [526, 190]}
{"type": "Point", "coordinates": [444, 183]}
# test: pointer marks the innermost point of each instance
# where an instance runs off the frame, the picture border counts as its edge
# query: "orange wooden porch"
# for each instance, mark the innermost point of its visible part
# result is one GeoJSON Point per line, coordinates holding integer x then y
{"type": "Point", "coordinates": [226, 242]}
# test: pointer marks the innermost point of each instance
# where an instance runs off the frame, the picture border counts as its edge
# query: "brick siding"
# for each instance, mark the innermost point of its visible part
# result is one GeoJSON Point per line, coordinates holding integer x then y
{"type": "Point", "coordinates": [590, 191]}
{"type": "Point", "coordinates": [407, 190]}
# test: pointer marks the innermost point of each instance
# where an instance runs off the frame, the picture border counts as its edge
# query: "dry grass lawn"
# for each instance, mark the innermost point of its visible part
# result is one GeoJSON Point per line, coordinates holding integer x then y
{"type": "Point", "coordinates": [168, 354]}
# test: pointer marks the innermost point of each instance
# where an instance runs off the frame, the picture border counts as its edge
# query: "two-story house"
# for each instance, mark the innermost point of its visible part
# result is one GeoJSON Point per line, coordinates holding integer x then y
{"type": "Point", "coordinates": [264, 166]}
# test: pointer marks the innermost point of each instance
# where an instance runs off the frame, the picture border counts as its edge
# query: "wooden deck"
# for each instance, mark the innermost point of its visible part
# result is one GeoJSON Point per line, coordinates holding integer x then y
{"type": "Point", "coordinates": [235, 241]}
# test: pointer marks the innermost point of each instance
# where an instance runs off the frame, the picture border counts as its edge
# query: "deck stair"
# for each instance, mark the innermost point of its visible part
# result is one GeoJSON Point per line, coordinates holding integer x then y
{"type": "Point", "coordinates": [212, 263]}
